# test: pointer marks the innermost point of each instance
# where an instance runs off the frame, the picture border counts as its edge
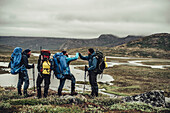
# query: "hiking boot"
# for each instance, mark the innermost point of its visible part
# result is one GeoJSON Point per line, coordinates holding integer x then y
{"type": "Point", "coordinates": [59, 92]}
{"type": "Point", "coordinates": [73, 93]}
{"type": "Point", "coordinates": [19, 93]}
{"type": "Point", "coordinates": [38, 97]}
{"type": "Point", "coordinates": [45, 95]}
{"type": "Point", "coordinates": [26, 94]}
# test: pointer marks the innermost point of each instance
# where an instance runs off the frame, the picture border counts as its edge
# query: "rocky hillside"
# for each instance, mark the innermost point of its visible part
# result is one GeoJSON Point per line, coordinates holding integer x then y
{"type": "Point", "coordinates": [157, 41]}
{"type": "Point", "coordinates": [34, 43]}
{"type": "Point", "coordinates": [103, 41]}
{"type": "Point", "coordinates": [153, 46]}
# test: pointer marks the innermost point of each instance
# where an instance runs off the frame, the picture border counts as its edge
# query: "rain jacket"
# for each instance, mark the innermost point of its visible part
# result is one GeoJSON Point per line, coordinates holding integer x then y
{"type": "Point", "coordinates": [68, 60]}
{"type": "Point", "coordinates": [92, 61]}
{"type": "Point", "coordinates": [24, 61]}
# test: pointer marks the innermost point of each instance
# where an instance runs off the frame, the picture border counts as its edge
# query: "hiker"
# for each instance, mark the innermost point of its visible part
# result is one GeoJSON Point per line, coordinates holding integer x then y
{"type": "Point", "coordinates": [44, 72]}
{"type": "Point", "coordinates": [68, 75]}
{"type": "Point", "coordinates": [23, 75]}
{"type": "Point", "coordinates": [91, 70]}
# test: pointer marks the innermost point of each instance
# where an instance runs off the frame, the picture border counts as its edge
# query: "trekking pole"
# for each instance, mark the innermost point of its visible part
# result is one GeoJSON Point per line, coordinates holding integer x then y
{"type": "Point", "coordinates": [84, 80]}
{"type": "Point", "coordinates": [33, 79]}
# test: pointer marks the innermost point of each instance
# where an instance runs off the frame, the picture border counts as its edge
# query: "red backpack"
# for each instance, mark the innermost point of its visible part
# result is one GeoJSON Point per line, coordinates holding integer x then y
{"type": "Point", "coordinates": [45, 63]}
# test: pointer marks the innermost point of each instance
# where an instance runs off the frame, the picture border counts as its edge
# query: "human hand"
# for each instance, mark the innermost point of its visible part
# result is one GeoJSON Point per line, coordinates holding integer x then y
{"type": "Point", "coordinates": [79, 54]}
{"type": "Point", "coordinates": [86, 68]}
{"type": "Point", "coordinates": [33, 65]}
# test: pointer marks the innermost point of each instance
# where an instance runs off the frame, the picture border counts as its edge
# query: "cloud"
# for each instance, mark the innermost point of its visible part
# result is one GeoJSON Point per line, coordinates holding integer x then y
{"type": "Point", "coordinates": [83, 19]}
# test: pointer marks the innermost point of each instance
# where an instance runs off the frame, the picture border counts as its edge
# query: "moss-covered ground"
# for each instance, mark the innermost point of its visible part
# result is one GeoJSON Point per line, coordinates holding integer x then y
{"type": "Point", "coordinates": [11, 102]}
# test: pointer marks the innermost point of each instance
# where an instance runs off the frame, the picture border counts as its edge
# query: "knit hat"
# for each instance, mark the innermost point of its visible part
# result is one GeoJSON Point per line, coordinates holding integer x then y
{"type": "Point", "coordinates": [91, 50]}
{"type": "Point", "coordinates": [27, 51]}
{"type": "Point", "coordinates": [64, 52]}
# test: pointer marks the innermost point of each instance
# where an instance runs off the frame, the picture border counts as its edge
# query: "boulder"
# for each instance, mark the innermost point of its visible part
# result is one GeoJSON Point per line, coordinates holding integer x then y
{"type": "Point", "coordinates": [155, 98]}
{"type": "Point", "coordinates": [78, 99]}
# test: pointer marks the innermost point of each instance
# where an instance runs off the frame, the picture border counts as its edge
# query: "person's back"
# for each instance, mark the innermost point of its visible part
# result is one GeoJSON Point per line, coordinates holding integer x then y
{"type": "Point", "coordinates": [44, 72]}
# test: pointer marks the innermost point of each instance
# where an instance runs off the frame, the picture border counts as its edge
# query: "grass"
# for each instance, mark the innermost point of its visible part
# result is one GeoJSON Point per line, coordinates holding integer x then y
{"type": "Point", "coordinates": [134, 80]}
{"type": "Point", "coordinates": [156, 63]}
{"type": "Point", "coordinates": [113, 89]}
{"type": "Point", "coordinates": [6, 93]}
{"type": "Point", "coordinates": [79, 62]}
{"type": "Point", "coordinates": [78, 105]}
{"type": "Point", "coordinates": [2, 71]}
{"type": "Point", "coordinates": [51, 109]}
{"type": "Point", "coordinates": [82, 82]}
{"type": "Point", "coordinates": [121, 60]}
{"type": "Point", "coordinates": [124, 51]}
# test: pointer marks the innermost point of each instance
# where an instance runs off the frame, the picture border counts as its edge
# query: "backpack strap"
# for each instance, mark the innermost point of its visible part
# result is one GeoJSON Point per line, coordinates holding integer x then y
{"type": "Point", "coordinates": [94, 56]}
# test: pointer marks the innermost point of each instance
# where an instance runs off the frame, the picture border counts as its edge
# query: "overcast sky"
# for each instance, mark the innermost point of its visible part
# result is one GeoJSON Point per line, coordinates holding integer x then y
{"type": "Point", "coordinates": [83, 18]}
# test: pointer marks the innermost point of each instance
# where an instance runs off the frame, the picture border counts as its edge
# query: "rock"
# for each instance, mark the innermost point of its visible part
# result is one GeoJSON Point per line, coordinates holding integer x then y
{"type": "Point", "coordinates": [155, 98]}
{"type": "Point", "coordinates": [78, 99]}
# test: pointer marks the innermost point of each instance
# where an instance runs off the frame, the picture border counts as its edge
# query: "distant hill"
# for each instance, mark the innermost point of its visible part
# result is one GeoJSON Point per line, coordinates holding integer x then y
{"type": "Point", "coordinates": [105, 40]}
{"type": "Point", "coordinates": [157, 41]}
{"type": "Point", "coordinates": [153, 46]}
{"type": "Point", "coordinates": [4, 48]}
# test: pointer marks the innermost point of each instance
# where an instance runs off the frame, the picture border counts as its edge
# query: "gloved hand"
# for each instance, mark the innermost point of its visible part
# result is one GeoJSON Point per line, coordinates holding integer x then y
{"type": "Point", "coordinates": [86, 68]}
{"type": "Point", "coordinates": [79, 54]}
{"type": "Point", "coordinates": [32, 65]}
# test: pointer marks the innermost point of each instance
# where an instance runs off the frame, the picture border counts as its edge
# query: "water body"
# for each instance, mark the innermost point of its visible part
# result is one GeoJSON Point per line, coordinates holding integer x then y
{"type": "Point", "coordinates": [135, 62]}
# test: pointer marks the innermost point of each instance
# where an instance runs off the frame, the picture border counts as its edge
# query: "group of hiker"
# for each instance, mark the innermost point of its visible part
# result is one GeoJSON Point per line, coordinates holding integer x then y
{"type": "Point", "coordinates": [60, 66]}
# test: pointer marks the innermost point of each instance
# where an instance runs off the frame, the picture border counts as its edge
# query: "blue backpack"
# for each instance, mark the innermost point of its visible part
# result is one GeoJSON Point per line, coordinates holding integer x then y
{"type": "Point", "coordinates": [60, 65]}
{"type": "Point", "coordinates": [15, 60]}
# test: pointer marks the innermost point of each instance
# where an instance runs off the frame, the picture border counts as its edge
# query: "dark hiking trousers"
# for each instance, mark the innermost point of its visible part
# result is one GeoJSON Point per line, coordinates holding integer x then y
{"type": "Point", "coordinates": [23, 77]}
{"type": "Point", "coordinates": [46, 84]}
{"type": "Point", "coordinates": [62, 82]}
{"type": "Point", "coordinates": [93, 83]}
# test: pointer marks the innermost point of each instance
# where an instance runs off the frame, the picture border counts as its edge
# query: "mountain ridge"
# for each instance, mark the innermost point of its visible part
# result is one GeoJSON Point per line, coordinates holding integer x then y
{"type": "Point", "coordinates": [34, 43]}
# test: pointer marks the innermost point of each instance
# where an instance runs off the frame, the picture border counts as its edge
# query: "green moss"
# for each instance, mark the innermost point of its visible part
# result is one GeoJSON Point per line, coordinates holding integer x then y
{"type": "Point", "coordinates": [51, 100]}
{"type": "Point", "coordinates": [7, 94]}
{"type": "Point", "coordinates": [50, 109]}
{"type": "Point", "coordinates": [4, 105]}
{"type": "Point", "coordinates": [104, 101]}
{"type": "Point", "coordinates": [43, 101]}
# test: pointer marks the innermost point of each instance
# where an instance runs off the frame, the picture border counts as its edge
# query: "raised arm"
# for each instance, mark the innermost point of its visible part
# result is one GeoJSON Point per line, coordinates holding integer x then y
{"type": "Point", "coordinates": [83, 57]}
{"type": "Point", "coordinates": [73, 58]}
